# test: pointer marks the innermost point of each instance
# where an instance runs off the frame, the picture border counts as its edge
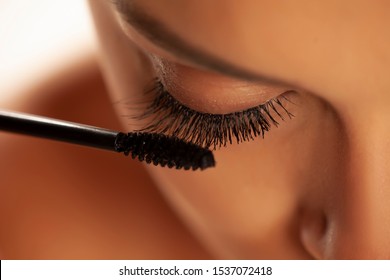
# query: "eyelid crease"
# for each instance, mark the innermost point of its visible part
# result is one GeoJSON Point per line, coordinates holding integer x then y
{"type": "Point", "coordinates": [166, 115]}
{"type": "Point", "coordinates": [163, 38]}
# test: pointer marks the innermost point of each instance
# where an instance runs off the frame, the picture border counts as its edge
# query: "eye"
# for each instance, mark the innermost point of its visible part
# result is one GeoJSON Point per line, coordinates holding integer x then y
{"type": "Point", "coordinates": [166, 115]}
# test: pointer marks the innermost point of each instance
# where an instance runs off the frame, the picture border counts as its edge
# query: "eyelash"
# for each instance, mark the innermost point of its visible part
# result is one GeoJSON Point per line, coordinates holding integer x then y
{"type": "Point", "coordinates": [167, 115]}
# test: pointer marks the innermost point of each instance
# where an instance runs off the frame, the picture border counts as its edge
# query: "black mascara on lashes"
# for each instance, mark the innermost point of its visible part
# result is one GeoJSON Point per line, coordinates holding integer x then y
{"type": "Point", "coordinates": [164, 114]}
{"type": "Point", "coordinates": [153, 148]}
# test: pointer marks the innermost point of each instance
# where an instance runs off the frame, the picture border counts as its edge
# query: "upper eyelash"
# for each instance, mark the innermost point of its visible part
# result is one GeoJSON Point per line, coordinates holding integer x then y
{"type": "Point", "coordinates": [168, 116]}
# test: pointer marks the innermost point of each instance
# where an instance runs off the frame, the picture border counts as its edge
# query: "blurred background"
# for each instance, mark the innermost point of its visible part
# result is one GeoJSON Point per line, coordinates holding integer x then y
{"type": "Point", "coordinates": [38, 36]}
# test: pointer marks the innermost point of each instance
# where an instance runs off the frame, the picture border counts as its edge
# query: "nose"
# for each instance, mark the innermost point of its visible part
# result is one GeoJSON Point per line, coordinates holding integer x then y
{"type": "Point", "coordinates": [346, 214]}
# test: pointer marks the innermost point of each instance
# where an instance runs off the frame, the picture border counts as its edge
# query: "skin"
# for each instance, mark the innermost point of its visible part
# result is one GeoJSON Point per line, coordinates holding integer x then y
{"type": "Point", "coordinates": [317, 186]}
{"type": "Point", "coordinates": [61, 201]}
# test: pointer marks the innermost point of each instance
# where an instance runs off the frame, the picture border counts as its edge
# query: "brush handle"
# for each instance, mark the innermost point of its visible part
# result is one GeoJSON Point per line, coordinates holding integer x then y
{"type": "Point", "coordinates": [59, 130]}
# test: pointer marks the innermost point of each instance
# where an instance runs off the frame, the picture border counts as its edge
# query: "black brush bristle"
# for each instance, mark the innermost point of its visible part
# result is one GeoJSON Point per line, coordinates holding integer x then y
{"type": "Point", "coordinates": [163, 150]}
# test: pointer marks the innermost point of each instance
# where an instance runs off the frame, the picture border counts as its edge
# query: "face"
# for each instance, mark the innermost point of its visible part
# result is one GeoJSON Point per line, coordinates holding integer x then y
{"type": "Point", "coordinates": [311, 76]}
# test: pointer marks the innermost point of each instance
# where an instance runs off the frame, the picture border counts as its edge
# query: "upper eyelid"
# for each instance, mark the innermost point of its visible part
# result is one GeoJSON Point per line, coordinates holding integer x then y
{"type": "Point", "coordinates": [159, 84]}
{"type": "Point", "coordinates": [204, 129]}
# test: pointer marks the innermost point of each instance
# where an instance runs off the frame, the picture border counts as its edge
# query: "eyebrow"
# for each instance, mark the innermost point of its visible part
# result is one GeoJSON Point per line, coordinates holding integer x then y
{"type": "Point", "coordinates": [156, 32]}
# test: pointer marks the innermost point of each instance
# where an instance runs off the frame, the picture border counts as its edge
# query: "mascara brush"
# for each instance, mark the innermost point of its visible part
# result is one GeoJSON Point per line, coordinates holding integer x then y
{"type": "Point", "coordinates": [157, 149]}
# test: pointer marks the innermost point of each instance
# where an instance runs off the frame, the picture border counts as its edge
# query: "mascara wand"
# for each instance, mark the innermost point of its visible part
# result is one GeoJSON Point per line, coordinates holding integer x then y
{"type": "Point", "coordinates": [158, 149]}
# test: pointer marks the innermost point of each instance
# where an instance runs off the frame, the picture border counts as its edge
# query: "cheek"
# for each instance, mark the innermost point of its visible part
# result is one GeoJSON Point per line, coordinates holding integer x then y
{"type": "Point", "coordinates": [253, 194]}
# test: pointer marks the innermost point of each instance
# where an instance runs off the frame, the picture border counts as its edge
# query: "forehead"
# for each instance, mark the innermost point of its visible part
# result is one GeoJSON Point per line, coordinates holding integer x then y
{"type": "Point", "coordinates": [291, 40]}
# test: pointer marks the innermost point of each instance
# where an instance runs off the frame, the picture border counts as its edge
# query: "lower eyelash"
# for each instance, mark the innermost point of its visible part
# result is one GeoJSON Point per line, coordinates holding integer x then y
{"type": "Point", "coordinates": [168, 116]}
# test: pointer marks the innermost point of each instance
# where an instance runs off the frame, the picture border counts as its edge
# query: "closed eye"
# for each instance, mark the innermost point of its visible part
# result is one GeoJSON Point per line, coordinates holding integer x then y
{"type": "Point", "coordinates": [168, 116]}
